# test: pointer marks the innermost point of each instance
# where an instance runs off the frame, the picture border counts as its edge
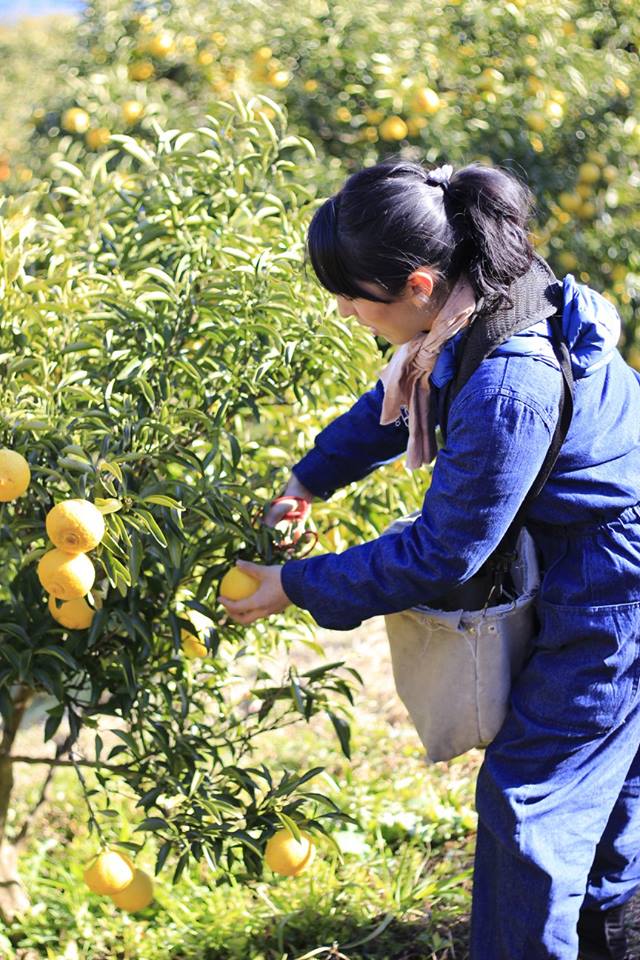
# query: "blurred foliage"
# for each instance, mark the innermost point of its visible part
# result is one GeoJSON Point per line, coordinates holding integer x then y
{"type": "Point", "coordinates": [549, 90]}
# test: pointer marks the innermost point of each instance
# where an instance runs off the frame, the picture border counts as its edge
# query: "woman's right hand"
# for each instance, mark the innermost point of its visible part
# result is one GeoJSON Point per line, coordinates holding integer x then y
{"type": "Point", "coordinates": [277, 511]}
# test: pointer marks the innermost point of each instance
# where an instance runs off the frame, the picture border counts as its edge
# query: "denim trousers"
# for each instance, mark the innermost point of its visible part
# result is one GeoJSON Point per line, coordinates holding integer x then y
{"type": "Point", "coordinates": [558, 793]}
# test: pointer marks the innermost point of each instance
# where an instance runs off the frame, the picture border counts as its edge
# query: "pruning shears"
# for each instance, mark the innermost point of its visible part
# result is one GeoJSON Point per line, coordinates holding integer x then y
{"type": "Point", "coordinates": [294, 520]}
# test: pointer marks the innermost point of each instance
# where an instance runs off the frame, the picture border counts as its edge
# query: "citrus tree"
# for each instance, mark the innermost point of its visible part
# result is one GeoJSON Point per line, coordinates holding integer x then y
{"type": "Point", "coordinates": [550, 88]}
{"type": "Point", "coordinates": [159, 340]}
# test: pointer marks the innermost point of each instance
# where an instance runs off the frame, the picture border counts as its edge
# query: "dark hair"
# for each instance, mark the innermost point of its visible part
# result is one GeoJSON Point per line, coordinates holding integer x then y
{"type": "Point", "coordinates": [392, 217]}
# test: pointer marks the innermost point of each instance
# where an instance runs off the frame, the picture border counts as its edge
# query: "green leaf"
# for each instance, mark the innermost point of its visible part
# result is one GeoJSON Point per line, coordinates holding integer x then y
{"type": "Point", "coordinates": [61, 654]}
{"type": "Point", "coordinates": [163, 853]}
{"type": "Point", "coordinates": [343, 731]}
{"type": "Point", "coordinates": [109, 505]}
{"type": "Point", "coordinates": [148, 520]}
{"type": "Point", "coordinates": [133, 147]}
{"type": "Point", "coordinates": [14, 630]}
{"type": "Point", "coordinates": [289, 824]}
{"type": "Point", "coordinates": [163, 501]}
{"type": "Point", "coordinates": [153, 824]}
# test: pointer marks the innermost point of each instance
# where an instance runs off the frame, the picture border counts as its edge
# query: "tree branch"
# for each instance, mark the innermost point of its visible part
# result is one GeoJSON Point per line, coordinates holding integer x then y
{"type": "Point", "coordinates": [56, 762]}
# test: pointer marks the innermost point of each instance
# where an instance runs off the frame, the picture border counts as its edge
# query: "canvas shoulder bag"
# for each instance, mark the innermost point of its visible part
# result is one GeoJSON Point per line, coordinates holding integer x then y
{"type": "Point", "coordinates": [454, 660]}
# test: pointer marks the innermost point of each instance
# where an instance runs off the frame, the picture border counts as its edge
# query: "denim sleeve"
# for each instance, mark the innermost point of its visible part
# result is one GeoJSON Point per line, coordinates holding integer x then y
{"type": "Point", "coordinates": [351, 447]}
{"type": "Point", "coordinates": [496, 443]}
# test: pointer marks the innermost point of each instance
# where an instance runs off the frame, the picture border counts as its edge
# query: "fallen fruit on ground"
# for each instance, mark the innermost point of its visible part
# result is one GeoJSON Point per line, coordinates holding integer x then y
{"type": "Point", "coordinates": [75, 526]}
{"type": "Point", "coordinates": [109, 873]}
{"type": "Point", "coordinates": [192, 647]}
{"type": "Point", "coordinates": [15, 475]}
{"type": "Point", "coordinates": [136, 895]}
{"type": "Point", "coordinates": [238, 585]}
{"type": "Point", "coordinates": [66, 576]}
{"type": "Point", "coordinates": [286, 855]}
{"type": "Point", "coordinates": [72, 614]}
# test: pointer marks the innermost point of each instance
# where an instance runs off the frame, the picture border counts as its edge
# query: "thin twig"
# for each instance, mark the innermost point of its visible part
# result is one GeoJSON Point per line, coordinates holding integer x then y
{"type": "Point", "coordinates": [55, 762]}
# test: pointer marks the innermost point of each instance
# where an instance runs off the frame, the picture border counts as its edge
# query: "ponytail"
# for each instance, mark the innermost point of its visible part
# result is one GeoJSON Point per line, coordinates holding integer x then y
{"type": "Point", "coordinates": [395, 216]}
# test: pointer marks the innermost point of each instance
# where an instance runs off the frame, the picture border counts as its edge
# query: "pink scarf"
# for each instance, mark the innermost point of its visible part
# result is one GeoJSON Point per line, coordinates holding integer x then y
{"type": "Point", "coordinates": [406, 377]}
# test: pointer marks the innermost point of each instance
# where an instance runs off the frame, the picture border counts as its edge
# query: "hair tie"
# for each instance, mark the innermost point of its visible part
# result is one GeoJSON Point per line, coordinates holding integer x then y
{"type": "Point", "coordinates": [440, 178]}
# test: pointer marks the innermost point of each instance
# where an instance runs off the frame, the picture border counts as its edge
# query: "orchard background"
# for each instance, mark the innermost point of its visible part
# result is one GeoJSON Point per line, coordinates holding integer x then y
{"type": "Point", "coordinates": [167, 354]}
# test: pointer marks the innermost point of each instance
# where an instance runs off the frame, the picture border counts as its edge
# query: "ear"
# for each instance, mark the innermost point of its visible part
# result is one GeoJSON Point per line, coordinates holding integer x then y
{"type": "Point", "coordinates": [422, 282]}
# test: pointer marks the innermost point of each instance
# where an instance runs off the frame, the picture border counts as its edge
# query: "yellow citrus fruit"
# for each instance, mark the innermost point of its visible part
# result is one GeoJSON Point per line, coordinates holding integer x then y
{"type": "Point", "coordinates": [570, 201]}
{"type": "Point", "coordinates": [489, 79]}
{"type": "Point", "coordinates": [288, 856]}
{"type": "Point", "coordinates": [15, 475]}
{"type": "Point", "coordinates": [610, 173]}
{"type": "Point", "coordinates": [587, 211]}
{"type": "Point", "coordinates": [536, 121]}
{"type": "Point", "coordinates": [262, 55]}
{"type": "Point", "coordinates": [136, 895]}
{"type": "Point", "coordinates": [414, 125]}
{"type": "Point", "coordinates": [279, 79]}
{"type": "Point", "coordinates": [567, 260]}
{"type": "Point", "coordinates": [132, 110]}
{"type": "Point", "coordinates": [98, 137]}
{"type": "Point", "coordinates": [393, 128]}
{"type": "Point", "coordinates": [72, 614]}
{"type": "Point", "coordinates": [109, 873]}
{"type": "Point", "coordinates": [75, 526]}
{"type": "Point", "coordinates": [75, 120]}
{"type": "Point", "coordinates": [585, 190]}
{"type": "Point", "coordinates": [141, 70]}
{"type": "Point", "coordinates": [310, 86]}
{"type": "Point", "coordinates": [554, 110]}
{"type": "Point", "coordinates": [238, 585]}
{"type": "Point", "coordinates": [588, 172]}
{"type": "Point", "coordinates": [374, 116]}
{"type": "Point", "coordinates": [66, 575]}
{"type": "Point", "coordinates": [619, 272]}
{"type": "Point", "coordinates": [425, 100]}
{"type": "Point", "coordinates": [160, 45]}
{"type": "Point", "coordinates": [597, 156]}
{"type": "Point", "coordinates": [191, 646]}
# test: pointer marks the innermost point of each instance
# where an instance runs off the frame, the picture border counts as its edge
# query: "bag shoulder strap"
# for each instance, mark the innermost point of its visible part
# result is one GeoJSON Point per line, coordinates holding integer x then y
{"type": "Point", "coordinates": [505, 553]}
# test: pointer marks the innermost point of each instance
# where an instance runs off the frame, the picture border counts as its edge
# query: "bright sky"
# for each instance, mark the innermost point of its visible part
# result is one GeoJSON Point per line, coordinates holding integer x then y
{"type": "Point", "coordinates": [17, 9]}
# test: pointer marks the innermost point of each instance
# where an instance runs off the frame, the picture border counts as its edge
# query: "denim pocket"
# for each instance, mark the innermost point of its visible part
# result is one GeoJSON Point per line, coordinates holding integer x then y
{"type": "Point", "coordinates": [583, 673]}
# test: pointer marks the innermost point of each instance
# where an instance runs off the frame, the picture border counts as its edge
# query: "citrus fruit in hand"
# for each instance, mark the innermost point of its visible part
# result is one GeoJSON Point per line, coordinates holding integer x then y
{"type": "Point", "coordinates": [288, 856]}
{"type": "Point", "coordinates": [192, 647]}
{"type": "Point", "coordinates": [238, 585]}
{"type": "Point", "coordinates": [72, 614]}
{"type": "Point", "coordinates": [136, 895]}
{"type": "Point", "coordinates": [109, 873]}
{"type": "Point", "coordinates": [15, 475]}
{"type": "Point", "coordinates": [66, 575]}
{"type": "Point", "coordinates": [75, 526]}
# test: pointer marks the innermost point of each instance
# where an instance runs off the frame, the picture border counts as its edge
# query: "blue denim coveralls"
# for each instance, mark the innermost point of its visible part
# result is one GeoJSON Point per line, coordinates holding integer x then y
{"type": "Point", "coordinates": [558, 794]}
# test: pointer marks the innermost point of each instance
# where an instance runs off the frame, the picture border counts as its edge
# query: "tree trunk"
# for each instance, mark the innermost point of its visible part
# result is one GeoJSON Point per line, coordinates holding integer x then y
{"type": "Point", "coordinates": [13, 896]}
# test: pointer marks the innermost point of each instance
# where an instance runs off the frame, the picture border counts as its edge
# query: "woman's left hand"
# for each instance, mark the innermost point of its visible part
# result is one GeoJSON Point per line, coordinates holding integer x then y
{"type": "Point", "coordinates": [269, 597]}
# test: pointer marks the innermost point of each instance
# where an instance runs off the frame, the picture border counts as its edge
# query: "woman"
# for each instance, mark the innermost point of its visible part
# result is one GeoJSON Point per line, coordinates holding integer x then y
{"type": "Point", "coordinates": [418, 257]}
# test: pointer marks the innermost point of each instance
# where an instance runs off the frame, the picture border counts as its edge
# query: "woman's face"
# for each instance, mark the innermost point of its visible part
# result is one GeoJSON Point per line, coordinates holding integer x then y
{"type": "Point", "coordinates": [399, 320]}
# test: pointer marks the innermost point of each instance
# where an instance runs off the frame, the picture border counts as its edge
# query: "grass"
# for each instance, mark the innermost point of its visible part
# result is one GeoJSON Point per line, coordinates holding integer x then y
{"type": "Point", "coordinates": [400, 891]}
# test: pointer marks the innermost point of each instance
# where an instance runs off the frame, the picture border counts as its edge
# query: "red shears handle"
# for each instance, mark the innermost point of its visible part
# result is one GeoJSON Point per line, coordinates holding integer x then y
{"type": "Point", "coordinates": [300, 510]}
